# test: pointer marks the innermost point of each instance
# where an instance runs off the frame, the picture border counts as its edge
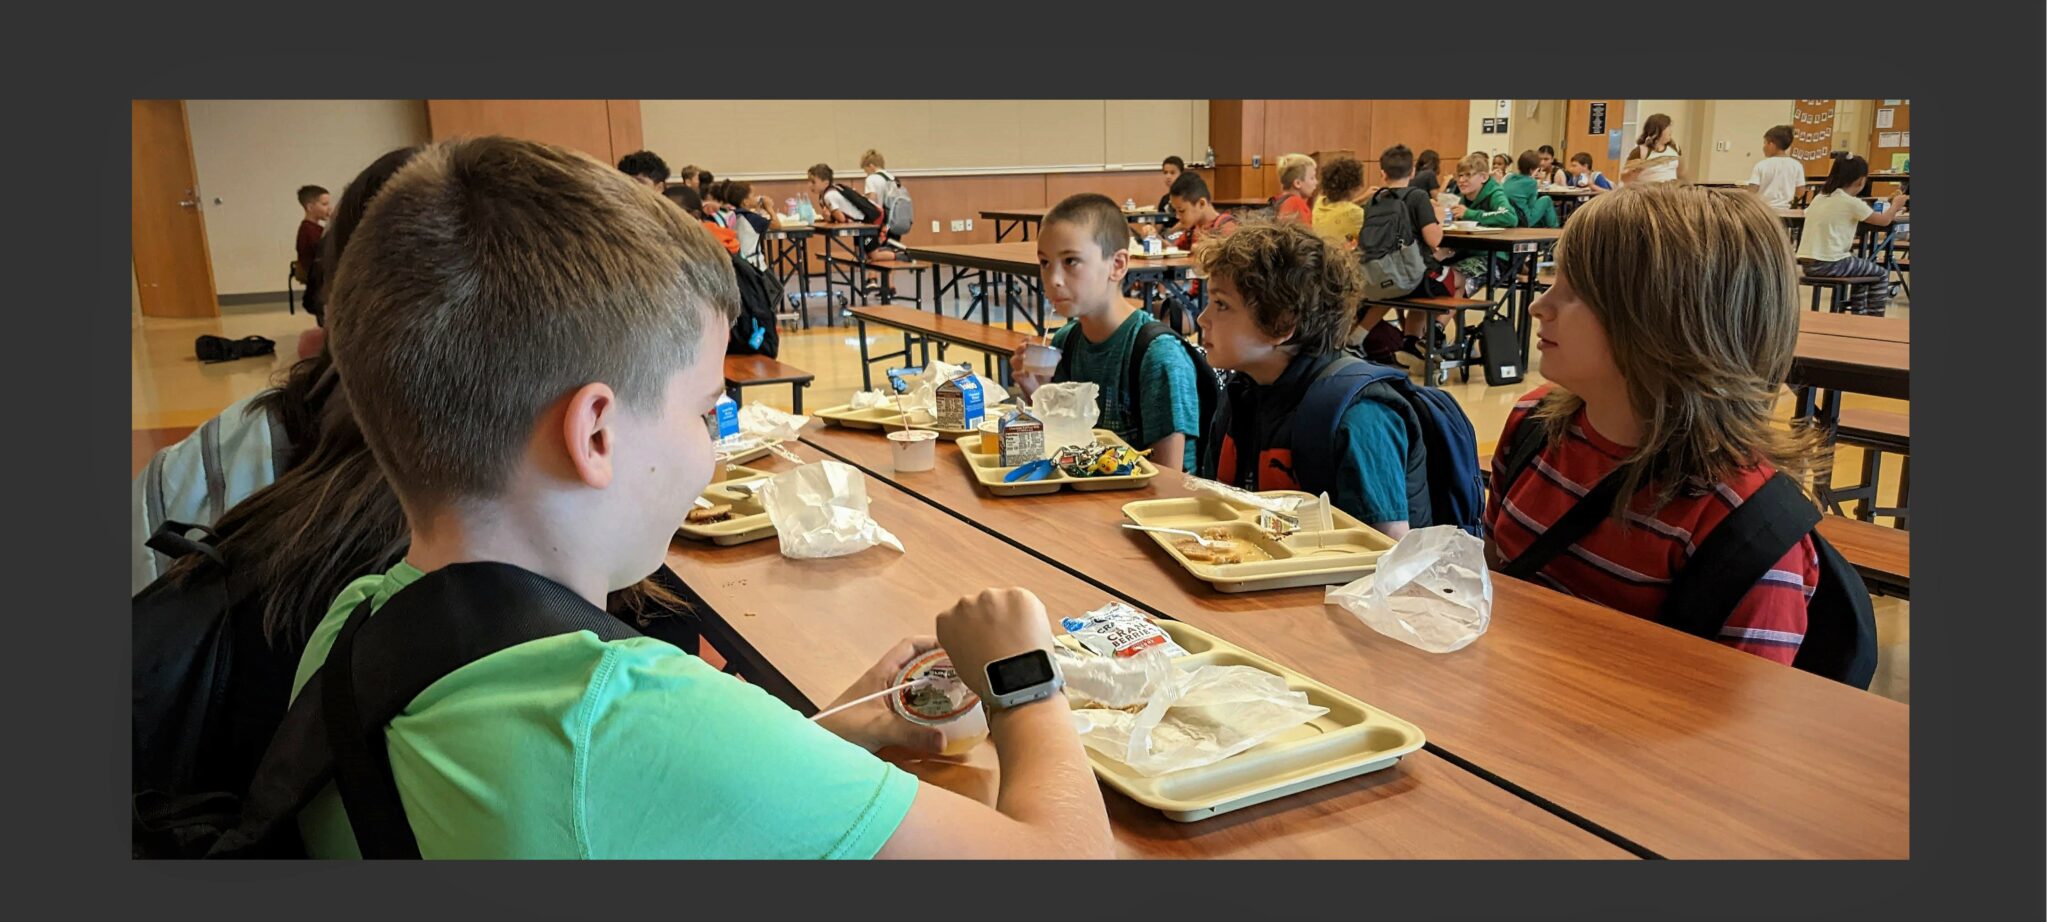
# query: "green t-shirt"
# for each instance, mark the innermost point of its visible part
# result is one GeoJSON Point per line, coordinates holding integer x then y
{"type": "Point", "coordinates": [570, 747]}
{"type": "Point", "coordinates": [1168, 401]}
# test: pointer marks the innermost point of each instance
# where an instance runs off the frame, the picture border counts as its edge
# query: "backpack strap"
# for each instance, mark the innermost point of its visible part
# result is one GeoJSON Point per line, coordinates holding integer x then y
{"type": "Point", "coordinates": [1152, 330]}
{"type": "Point", "coordinates": [1737, 554]}
{"type": "Point", "coordinates": [1576, 523]}
{"type": "Point", "coordinates": [1522, 449]}
{"type": "Point", "coordinates": [169, 539]}
{"type": "Point", "coordinates": [335, 729]}
{"type": "Point", "coordinates": [1314, 432]}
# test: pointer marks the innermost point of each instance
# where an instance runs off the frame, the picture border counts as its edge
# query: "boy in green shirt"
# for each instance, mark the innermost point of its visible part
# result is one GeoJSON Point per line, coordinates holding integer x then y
{"type": "Point", "coordinates": [1483, 201]}
{"type": "Point", "coordinates": [531, 342]}
{"type": "Point", "coordinates": [1082, 257]}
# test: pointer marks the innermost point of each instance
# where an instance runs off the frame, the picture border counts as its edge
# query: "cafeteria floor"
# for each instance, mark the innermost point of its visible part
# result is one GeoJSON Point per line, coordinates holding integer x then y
{"type": "Point", "coordinates": [171, 393]}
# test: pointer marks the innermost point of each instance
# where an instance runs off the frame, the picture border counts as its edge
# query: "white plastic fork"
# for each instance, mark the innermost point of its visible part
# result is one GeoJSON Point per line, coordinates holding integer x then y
{"type": "Point", "coordinates": [1209, 543]}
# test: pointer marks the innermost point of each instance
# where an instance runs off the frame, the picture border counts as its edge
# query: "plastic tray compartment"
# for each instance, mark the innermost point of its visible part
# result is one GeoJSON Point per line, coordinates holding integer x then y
{"type": "Point", "coordinates": [1341, 554]}
{"type": "Point", "coordinates": [988, 469]}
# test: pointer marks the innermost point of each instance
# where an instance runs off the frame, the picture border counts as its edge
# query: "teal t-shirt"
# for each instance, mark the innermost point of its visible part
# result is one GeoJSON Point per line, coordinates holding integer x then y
{"type": "Point", "coordinates": [1372, 466]}
{"type": "Point", "coordinates": [1167, 402]}
{"type": "Point", "coordinates": [571, 747]}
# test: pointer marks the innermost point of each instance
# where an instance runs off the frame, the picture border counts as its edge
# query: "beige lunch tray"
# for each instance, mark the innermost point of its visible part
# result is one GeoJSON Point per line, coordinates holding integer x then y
{"type": "Point", "coordinates": [755, 453]}
{"type": "Point", "coordinates": [1352, 739]}
{"type": "Point", "coordinates": [749, 520]}
{"type": "Point", "coordinates": [885, 417]}
{"type": "Point", "coordinates": [1305, 558]}
{"type": "Point", "coordinates": [988, 469]}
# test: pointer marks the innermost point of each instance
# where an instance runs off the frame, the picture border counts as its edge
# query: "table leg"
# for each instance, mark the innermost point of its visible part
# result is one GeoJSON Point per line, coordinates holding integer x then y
{"type": "Point", "coordinates": [796, 396]}
{"type": "Point", "coordinates": [867, 382]}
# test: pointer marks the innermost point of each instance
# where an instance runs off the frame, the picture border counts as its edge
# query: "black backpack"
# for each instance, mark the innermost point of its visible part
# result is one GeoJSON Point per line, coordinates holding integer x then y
{"type": "Point", "coordinates": [222, 349]}
{"type": "Point", "coordinates": [1452, 487]}
{"type": "Point", "coordinates": [1841, 630]}
{"type": "Point", "coordinates": [753, 331]}
{"type": "Point", "coordinates": [1208, 384]}
{"type": "Point", "coordinates": [870, 213]}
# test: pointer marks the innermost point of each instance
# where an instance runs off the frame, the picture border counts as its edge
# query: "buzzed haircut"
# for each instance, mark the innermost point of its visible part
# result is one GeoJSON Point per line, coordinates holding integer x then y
{"type": "Point", "coordinates": [644, 164]}
{"type": "Point", "coordinates": [1528, 162]}
{"type": "Point", "coordinates": [1398, 162]}
{"type": "Point", "coordinates": [1098, 215]}
{"type": "Point", "coordinates": [820, 171]}
{"type": "Point", "coordinates": [492, 276]}
{"type": "Point", "coordinates": [687, 198]}
{"type": "Point", "coordinates": [1189, 188]}
{"type": "Point", "coordinates": [1173, 160]}
{"type": "Point", "coordinates": [1780, 136]}
{"type": "Point", "coordinates": [308, 195]}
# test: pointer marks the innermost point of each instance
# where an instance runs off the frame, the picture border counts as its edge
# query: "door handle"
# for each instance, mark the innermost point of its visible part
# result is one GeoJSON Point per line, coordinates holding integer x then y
{"type": "Point", "coordinates": [191, 203]}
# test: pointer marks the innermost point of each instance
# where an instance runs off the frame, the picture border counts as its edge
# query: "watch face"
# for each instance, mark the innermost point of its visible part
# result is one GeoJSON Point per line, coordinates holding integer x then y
{"type": "Point", "coordinates": [1020, 672]}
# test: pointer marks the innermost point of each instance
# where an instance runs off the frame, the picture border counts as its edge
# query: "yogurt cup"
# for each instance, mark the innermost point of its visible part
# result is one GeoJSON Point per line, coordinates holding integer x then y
{"type": "Point", "coordinates": [914, 449]}
{"type": "Point", "coordinates": [991, 436]}
{"type": "Point", "coordinates": [945, 702]}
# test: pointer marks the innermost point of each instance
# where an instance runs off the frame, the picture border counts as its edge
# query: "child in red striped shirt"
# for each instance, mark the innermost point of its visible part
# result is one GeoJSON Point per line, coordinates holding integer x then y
{"type": "Point", "coordinates": [1667, 337]}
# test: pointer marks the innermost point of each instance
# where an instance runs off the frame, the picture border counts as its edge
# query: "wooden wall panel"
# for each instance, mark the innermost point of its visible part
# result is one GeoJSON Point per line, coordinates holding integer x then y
{"type": "Point", "coordinates": [1578, 117]}
{"type": "Point", "coordinates": [580, 124]}
{"type": "Point", "coordinates": [1422, 124]}
{"type": "Point", "coordinates": [623, 116]}
{"type": "Point", "coordinates": [1143, 186]}
{"type": "Point", "coordinates": [1308, 125]}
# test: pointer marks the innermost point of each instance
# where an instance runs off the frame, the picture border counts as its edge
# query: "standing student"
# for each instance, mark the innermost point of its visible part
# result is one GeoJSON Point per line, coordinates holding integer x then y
{"type": "Point", "coordinates": [1653, 384]}
{"type": "Point", "coordinates": [1655, 158]}
{"type": "Point", "coordinates": [1170, 170]}
{"type": "Point", "coordinates": [1337, 217]}
{"type": "Point", "coordinates": [1777, 177]}
{"type": "Point", "coordinates": [1828, 240]}
{"type": "Point", "coordinates": [647, 167]}
{"type": "Point", "coordinates": [1282, 297]}
{"type": "Point", "coordinates": [575, 472]}
{"type": "Point", "coordinates": [1298, 181]}
{"type": "Point", "coordinates": [1579, 174]}
{"type": "Point", "coordinates": [877, 182]}
{"type": "Point", "coordinates": [1425, 173]}
{"type": "Point", "coordinates": [1144, 379]}
{"type": "Point", "coordinates": [317, 207]}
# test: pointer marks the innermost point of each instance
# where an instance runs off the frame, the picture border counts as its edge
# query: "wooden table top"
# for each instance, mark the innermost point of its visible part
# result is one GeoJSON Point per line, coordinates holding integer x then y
{"type": "Point", "coordinates": [760, 369]}
{"type": "Point", "coordinates": [949, 329]}
{"type": "Point", "coordinates": [797, 230]}
{"type": "Point", "coordinates": [1857, 326]}
{"type": "Point", "coordinates": [1683, 746]}
{"type": "Point", "coordinates": [1524, 239]}
{"type": "Point", "coordinates": [1240, 202]}
{"type": "Point", "coordinates": [1569, 193]}
{"type": "Point", "coordinates": [1878, 367]}
{"type": "Point", "coordinates": [823, 622]}
{"type": "Point", "coordinates": [1038, 214]}
{"type": "Point", "coordinates": [846, 228]}
{"type": "Point", "coordinates": [1020, 257]}
{"type": "Point", "coordinates": [1882, 554]}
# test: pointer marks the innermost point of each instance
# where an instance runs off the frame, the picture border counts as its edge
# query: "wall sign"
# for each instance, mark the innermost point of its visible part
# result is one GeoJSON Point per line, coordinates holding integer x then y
{"type": "Point", "coordinates": [1597, 123]}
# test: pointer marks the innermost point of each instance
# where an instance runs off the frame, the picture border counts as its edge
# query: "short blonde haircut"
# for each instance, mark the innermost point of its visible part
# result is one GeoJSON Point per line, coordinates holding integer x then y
{"type": "Point", "coordinates": [1295, 167]}
{"type": "Point", "coordinates": [873, 158]}
{"type": "Point", "coordinates": [1475, 164]}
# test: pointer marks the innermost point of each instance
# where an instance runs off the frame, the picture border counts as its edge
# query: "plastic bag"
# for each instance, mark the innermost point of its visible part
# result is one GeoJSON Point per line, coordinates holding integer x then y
{"type": "Point", "coordinates": [821, 510]}
{"type": "Point", "coordinates": [1069, 411]}
{"type": "Point", "coordinates": [1189, 717]}
{"type": "Point", "coordinates": [1431, 591]}
{"type": "Point", "coordinates": [868, 400]}
{"type": "Point", "coordinates": [764, 423]}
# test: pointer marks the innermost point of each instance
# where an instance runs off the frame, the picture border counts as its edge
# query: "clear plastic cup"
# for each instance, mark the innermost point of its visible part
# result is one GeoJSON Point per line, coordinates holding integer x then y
{"type": "Point", "coordinates": [1040, 361]}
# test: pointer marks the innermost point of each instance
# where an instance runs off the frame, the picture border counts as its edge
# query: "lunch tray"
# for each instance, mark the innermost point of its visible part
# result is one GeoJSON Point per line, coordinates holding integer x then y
{"type": "Point", "coordinates": [987, 468]}
{"type": "Point", "coordinates": [888, 417]}
{"type": "Point", "coordinates": [749, 520]}
{"type": "Point", "coordinates": [755, 453]}
{"type": "Point", "coordinates": [1352, 739]}
{"type": "Point", "coordinates": [1306, 558]}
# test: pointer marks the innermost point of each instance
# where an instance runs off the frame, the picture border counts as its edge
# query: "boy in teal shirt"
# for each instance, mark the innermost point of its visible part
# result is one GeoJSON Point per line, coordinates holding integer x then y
{"type": "Point", "coordinates": [1082, 257]}
{"type": "Point", "coordinates": [531, 342]}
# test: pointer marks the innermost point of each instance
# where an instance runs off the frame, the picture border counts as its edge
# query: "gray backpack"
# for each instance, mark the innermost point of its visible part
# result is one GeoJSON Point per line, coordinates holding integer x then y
{"type": "Point", "coordinates": [233, 455]}
{"type": "Point", "coordinates": [1389, 249]}
{"type": "Point", "coordinates": [896, 207]}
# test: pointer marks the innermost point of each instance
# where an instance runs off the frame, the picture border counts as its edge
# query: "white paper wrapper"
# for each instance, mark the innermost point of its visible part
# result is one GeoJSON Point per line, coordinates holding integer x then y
{"type": "Point", "coordinates": [1431, 591]}
{"type": "Point", "coordinates": [868, 400]}
{"type": "Point", "coordinates": [1189, 717]}
{"type": "Point", "coordinates": [1069, 411]}
{"type": "Point", "coordinates": [764, 423]}
{"type": "Point", "coordinates": [1286, 505]}
{"type": "Point", "coordinates": [821, 510]}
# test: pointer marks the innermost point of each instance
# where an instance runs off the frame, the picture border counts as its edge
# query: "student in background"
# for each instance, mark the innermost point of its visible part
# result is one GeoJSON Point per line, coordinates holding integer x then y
{"type": "Point", "coordinates": [572, 746]}
{"type": "Point", "coordinates": [1194, 214]}
{"type": "Point", "coordinates": [1532, 207]}
{"type": "Point", "coordinates": [1828, 241]}
{"type": "Point", "coordinates": [317, 207]}
{"type": "Point", "coordinates": [1170, 168]}
{"type": "Point", "coordinates": [1425, 177]}
{"type": "Point", "coordinates": [647, 167]}
{"type": "Point", "coordinates": [705, 213]}
{"type": "Point", "coordinates": [1297, 189]}
{"type": "Point", "coordinates": [1337, 217]}
{"type": "Point", "coordinates": [1648, 377]}
{"type": "Point", "coordinates": [1082, 257]}
{"type": "Point", "coordinates": [1777, 177]}
{"type": "Point", "coordinates": [1282, 298]}
{"type": "Point", "coordinates": [1579, 174]}
{"type": "Point", "coordinates": [1480, 200]}
{"type": "Point", "coordinates": [1655, 158]}
{"type": "Point", "coordinates": [1502, 166]}
{"type": "Point", "coordinates": [1547, 167]}
{"type": "Point", "coordinates": [876, 186]}
{"type": "Point", "coordinates": [749, 216]}
{"type": "Point", "coordinates": [1395, 194]}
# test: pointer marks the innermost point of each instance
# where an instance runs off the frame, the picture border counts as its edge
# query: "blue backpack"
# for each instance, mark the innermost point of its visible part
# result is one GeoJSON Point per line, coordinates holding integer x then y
{"type": "Point", "coordinates": [1446, 485]}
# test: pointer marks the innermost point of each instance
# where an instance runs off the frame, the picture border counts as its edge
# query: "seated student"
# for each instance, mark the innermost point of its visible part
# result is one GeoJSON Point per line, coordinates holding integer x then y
{"type": "Point", "coordinates": [1547, 167]}
{"type": "Point", "coordinates": [1647, 373]}
{"type": "Point", "coordinates": [706, 213]}
{"type": "Point", "coordinates": [1482, 200]}
{"type": "Point", "coordinates": [1828, 242]}
{"type": "Point", "coordinates": [1425, 172]}
{"type": "Point", "coordinates": [1281, 299]}
{"type": "Point", "coordinates": [1579, 174]}
{"type": "Point", "coordinates": [1532, 207]}
{"type": "Point", "coordinates": [1170, 169]}
{"type": "Point", "coordinates": [840, 203]}
{"type": "Point", "coordinates": [577, 471]}
{"type": "Point", "coordinates": [647, 167]}
{"type": "Point", "coordinates": [1777, 177]}
{"type": "Point", "coordinates": [743, 212]}
{"type": "Point", "coordinates": [1082, 256]}
{"type": "Point", "coordinates": [1196, 219]}
{"type": "Point", "coordinates": [1502, 166]}
{"type": "Point", "coordinates": [1337, 217]}
{"type": "Point", "coordinates": [1297, 188]}
{"type": "Point", "coordinates": [316, 204]}
{"type": "Point", "coordinates": [1656, 157]}
{"type": "Point", "coordinates": [1386, 205]}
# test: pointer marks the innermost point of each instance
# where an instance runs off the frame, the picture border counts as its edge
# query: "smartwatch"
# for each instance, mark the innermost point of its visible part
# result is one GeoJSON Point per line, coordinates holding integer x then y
{"type": "Point", "coordinates": [1022, 679]}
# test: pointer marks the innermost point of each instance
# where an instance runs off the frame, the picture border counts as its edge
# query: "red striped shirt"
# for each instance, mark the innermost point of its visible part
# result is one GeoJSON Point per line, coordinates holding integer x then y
{"type": "Point", "coordinates": [1629, 566]}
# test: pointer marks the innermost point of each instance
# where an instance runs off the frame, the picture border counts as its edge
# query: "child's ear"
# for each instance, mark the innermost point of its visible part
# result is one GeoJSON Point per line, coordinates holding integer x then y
{"type": "Point", "coordinates": [589, 433]}
{"type": "Point", "coordinates": [1119, 264]}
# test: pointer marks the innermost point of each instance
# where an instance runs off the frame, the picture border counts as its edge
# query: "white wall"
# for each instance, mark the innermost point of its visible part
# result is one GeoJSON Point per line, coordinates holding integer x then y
{"type": "Point", "coordinates": [253, 155]}
{"type": "Point", "coordinates": [1740, 125]}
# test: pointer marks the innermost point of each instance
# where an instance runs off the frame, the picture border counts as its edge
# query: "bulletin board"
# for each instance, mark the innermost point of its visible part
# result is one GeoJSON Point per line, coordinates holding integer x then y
{"type": "Point", "coordinates": [1891, 135]}
{"type": "Point", "coordinates": [1813, 134]}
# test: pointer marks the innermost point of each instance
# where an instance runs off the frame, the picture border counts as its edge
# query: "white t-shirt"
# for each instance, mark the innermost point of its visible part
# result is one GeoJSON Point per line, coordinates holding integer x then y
{"type": "Point", "coordinates": [1658, 166]}
{"type": "Point", "coordinates": [1777, 179]}
{"type": "Point", "coordinates": [1830, 232]}
{"type": "Point", "coordinates": [837, 202]}
{"type": "Point", "coordinates": [877, 187]}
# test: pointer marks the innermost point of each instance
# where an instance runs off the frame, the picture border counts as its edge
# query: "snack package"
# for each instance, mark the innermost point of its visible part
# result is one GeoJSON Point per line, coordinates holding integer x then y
{"type": "Point", "coordinates": [1117, 629]}
{"type": "Point", "coordinates": [1097, 460]}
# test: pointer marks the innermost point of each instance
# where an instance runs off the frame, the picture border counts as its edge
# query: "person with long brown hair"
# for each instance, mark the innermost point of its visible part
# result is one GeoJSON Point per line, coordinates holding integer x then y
{"type": "Point", "coordinates": [1667, 338]}
{"type": "Point", "coordinates": [1656, 157]}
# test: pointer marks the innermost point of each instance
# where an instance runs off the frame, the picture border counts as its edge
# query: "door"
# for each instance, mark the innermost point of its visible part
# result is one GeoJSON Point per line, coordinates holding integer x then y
{"type": "Point", "coordinates": [173, 270]}
{"type": "Point", "coordinates": [1591, 125]}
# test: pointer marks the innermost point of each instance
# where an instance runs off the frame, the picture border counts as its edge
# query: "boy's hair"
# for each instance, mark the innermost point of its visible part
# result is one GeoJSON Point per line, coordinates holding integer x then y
{"type": "Point", "coordinates": [1528, 162]}
{"type": "Point", "coordinates": [1173, 160]}
{"type": "Point", "coordinates": [705, 179]}
{"type": "Point", "coordinates": [734, 192]}
{"type": "Point", "coordinates": [1189, 188]}
{"type": "Point", "coordinates": [1547, 149]}
{"type": "Point", "coordinates": [717, 192]}
{"type": "Point", "coordinates": [1427, 160]}
{"type": "Point", "coordinates": [1474, 164]}
{"type": "Point", "coordinates": [1291, 279]}
{"type": "Point", "coordinates": [1342, 177]}
{"type": "Point", "coordinates": [1846, 169]}
{"type": "Point", "coordinates": [310, 194]}
{"type": "Point", "coordinates": [1294, 167]}
{"type": "Point", "coordinates": [1583, 159]}
{"type": "Point", "coordinates": [820, 171]}
{"type": "Point", "coordinates": [873, 158]}
{"type": "Point", "coordinates": [687, 198]}
{"type": "Point", "coordinates": [1397, 162]}
{"type": "Point", "coordinates": [490, 277]}
{"type": "Point", "coordinates": [1097, 214]}
{"type": "Point", "coordinates": [644, 164]}
{"type": "Point", "coordinates": [1696, 289]}
{"type": "Point", "coordinates": [1780, 136]}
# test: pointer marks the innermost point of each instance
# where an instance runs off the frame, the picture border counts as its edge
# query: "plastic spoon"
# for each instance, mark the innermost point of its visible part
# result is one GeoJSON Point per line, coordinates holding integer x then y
{"type": "Point", "coordinates": [913, 683]}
